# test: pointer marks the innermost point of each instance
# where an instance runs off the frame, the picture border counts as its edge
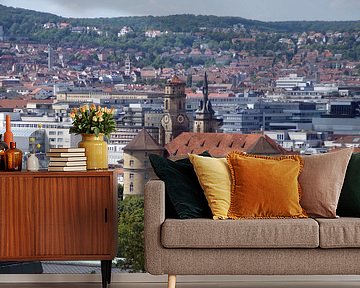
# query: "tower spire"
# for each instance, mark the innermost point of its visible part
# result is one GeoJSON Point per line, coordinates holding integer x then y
{"type": "Point", "coordinates": [206, 89]}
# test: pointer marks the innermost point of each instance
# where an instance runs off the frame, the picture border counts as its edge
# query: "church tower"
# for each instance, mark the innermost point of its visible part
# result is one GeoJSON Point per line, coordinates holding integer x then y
{"type": "Point", "coordinates": [205, 120]}
{"type": "Point", "coordinates": [174, 120]}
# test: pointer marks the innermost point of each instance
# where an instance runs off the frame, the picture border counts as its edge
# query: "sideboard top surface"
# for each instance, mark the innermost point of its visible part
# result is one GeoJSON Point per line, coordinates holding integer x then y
{"type": "Point", "coordinates": [45, 173]}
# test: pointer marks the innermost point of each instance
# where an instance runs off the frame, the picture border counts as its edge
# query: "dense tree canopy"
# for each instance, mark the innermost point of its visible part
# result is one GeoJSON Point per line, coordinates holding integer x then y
{"type": "Point", "coordinates": [131, 233]}
{"type": "Point", "coordinates": [180, 32]}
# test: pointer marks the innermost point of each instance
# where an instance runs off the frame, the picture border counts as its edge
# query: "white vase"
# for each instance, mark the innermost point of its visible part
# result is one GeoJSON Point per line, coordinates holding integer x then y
{"type": "Point", "coordinates": [32, 163]}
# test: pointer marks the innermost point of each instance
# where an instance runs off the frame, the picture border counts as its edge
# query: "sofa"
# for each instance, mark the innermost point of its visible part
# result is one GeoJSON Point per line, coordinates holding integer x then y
{"type": "Point", "coordinates": [252, 247]}
{"type": "Point", "coordinates": [323, 245]}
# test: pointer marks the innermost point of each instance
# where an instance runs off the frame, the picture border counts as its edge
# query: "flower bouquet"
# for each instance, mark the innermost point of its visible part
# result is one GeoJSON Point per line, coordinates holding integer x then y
{"type": "Point", "coordinates": [92, 120]}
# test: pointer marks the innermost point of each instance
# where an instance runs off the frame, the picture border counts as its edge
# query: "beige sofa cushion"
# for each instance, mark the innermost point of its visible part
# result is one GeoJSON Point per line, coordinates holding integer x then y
{"type": "Point", "coordinates": [321, 181]}
{"type": "Point", "coordinates": [250, 233]}
{"type": "Point", "coordinates": [339, 233]}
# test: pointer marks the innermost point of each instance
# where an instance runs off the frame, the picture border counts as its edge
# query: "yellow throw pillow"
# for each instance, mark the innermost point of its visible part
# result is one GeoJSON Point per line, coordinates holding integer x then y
{"type": "Point", "coordinates": [215, 179]}
{"type": "Point", "coordinates": [265, 187]}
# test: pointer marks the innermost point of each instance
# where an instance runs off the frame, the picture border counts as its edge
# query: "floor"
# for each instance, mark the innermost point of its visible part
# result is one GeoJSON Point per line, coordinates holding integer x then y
{"type": "Point", "coordinates": [242, 284]}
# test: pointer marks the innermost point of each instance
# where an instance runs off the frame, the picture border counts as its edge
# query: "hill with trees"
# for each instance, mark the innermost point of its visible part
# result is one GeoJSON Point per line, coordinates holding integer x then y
{"type": "Point", "coordinates": [179, 32]}
{"type": "Point", "coordinates": [26, 23]}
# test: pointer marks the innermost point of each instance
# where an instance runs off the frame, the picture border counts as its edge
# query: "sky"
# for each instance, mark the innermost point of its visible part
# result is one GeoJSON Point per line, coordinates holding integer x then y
{"type": "Point", "coordinates": [264, 10]}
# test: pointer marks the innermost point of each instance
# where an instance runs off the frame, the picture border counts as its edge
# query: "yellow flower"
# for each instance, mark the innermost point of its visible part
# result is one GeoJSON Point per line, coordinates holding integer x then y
{"type": "Point", "coordinates": [38, 145]}
{"type": "Point", "coordinates": [93, 119]}
{"type": "Point", "coordinates": [32, 140]}
{"type": "Point", "coordinates": [112, 110]}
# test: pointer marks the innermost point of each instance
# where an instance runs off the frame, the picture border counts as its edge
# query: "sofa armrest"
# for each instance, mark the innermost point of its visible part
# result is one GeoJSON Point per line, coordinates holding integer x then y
{"type": "Point", "coordinates": [154, 216]}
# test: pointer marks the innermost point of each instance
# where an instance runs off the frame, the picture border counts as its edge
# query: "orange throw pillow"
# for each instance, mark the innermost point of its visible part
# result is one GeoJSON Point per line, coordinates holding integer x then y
{"type": "Point", "coordinates": [264, 186]}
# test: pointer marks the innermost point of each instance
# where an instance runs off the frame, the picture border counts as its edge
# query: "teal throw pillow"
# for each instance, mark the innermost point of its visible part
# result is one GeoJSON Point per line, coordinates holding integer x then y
{"type": "Point", "coordinates": [349, 202]}
{"type": "Point", "coordinates": [183, 190]}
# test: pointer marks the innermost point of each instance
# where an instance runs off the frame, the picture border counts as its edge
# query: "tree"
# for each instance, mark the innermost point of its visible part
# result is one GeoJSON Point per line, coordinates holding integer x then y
{"type": "Point", "coordinates": [131, 233]}
{"type": "Point", "coordinates": [120, 191]}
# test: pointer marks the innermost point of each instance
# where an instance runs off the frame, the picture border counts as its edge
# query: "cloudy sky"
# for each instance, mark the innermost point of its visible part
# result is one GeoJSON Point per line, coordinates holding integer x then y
{"type": "Point", "coordinates": [265, 10]}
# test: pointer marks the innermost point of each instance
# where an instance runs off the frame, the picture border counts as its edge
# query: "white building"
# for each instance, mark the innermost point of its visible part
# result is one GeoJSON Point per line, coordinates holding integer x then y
{"type": "Point", "coordinates": [56, 130]}
{"type": "Point", "coordinates": [124, 31]}
{"type": "Point", "coordinates": [290, 82]}
{"type": "Point", "coordinates": [299, 140]}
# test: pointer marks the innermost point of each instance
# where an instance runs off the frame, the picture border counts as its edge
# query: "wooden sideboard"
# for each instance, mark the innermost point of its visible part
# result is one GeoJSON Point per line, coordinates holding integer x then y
{"type": "Point", "coordinates": [59, 216]}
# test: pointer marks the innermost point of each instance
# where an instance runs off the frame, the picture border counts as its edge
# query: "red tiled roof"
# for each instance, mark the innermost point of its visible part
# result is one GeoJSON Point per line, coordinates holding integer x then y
{"type": "Point", "coordinates": [13, 103]}
{"type": "Point", "coordinates": [219, 144]}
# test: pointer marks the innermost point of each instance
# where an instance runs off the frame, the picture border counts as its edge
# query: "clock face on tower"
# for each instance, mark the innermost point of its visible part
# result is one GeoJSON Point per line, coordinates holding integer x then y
{"type": "Point", "coordinates": [180, 118]}
{"type": "Point", "coordinates": [166, 119]}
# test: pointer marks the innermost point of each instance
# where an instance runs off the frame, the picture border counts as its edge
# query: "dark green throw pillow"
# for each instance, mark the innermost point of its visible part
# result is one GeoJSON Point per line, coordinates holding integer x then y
{"type": "Point", "coordinates": [349, 202]}
{"type": "Point", "coordinates": [182, 187]}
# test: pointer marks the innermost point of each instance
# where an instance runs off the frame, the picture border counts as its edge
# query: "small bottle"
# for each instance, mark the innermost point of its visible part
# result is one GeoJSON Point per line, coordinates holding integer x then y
{"type": "Point", "coordinates": [13, 158]}
{"type": "Point", "coordinates": [8, 135]}
{"type": "Point", "coordinates": [3, 148]}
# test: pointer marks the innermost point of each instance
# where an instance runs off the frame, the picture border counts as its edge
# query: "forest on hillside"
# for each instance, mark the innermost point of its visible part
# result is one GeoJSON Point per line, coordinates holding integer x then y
{"type": "Point", "coordinates": [179, 32]}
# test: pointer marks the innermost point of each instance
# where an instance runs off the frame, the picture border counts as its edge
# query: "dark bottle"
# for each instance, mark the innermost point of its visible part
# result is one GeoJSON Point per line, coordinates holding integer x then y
{"type": "Point", "coordinates": [13, 158]}
{"type": "Point", "coordinates": [3, 148]}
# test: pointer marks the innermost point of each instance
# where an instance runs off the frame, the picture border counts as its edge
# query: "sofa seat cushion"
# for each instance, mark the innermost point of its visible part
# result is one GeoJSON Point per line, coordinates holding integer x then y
{"type": "Point", "coordinates": [339, 233]}
{"type": "Point", "coordinates": [249, 233]}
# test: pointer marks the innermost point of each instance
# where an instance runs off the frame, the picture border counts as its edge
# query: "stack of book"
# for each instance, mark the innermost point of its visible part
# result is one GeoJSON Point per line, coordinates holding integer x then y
{"type": "Point", "coordinates": [67, 159]}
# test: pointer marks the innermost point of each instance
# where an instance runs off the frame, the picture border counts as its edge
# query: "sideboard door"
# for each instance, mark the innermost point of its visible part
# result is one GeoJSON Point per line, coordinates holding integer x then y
{"type": "Point", "coordinates": [74, 217]}
{"type": "Point", "coordinates": [16, 218]}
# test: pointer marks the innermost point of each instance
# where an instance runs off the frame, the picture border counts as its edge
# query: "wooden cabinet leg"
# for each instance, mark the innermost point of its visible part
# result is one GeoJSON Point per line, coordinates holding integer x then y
{"type": "Point", "coordinates": [108, 276]}
{"type": "Point", "coordinates": [171, 281]}
{"type": "Point", "coordinates": [104, 272]}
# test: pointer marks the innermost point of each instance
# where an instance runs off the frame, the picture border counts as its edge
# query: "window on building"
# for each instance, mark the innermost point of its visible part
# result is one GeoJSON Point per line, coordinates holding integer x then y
{"type": "Point", "coordinates": [131, 187]}
{"type": "Point", "coordinates": [131, 176]}
{"type": "Point", "coordinates": [131, 163]}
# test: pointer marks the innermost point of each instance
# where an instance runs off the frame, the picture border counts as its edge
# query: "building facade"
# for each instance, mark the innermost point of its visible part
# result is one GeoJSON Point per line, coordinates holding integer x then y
{"type": "Point", "coordinates": [137, 167]}
{"type": "Point", "coordinates": [174, 121]}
